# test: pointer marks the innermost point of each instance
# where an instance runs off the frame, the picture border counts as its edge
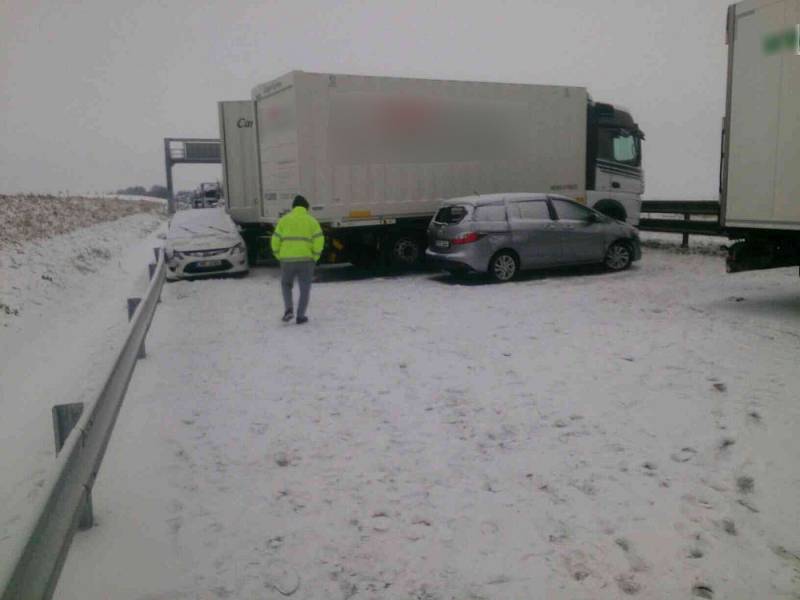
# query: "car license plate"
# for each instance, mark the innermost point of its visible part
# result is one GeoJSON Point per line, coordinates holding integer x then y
{"type": "Point", "coordinates": [442, 244]}
{"type": "Point", "coordinates": [209, 263]}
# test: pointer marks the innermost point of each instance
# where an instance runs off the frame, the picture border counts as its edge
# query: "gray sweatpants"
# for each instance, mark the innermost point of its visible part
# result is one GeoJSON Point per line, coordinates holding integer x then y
{"type": "Point", "coordinates": [304, 272]}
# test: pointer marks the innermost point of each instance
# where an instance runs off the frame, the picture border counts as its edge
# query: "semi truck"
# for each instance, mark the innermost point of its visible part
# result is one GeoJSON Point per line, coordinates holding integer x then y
{"type": "Point", "coordinates": [206, 194]}
{"type": "Point", "coordinates": [375, 156]}
{"type": "Point", "coordinates": [760, 163]}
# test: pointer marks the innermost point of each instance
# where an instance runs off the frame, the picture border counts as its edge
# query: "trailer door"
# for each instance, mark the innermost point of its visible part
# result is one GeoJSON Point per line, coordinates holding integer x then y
{"type": "Point", "coordinates": [240, 162]}
{"type": "Point", "coordinates": [762, 187]}
{"type": "Point", "coordinates": [787, 175]}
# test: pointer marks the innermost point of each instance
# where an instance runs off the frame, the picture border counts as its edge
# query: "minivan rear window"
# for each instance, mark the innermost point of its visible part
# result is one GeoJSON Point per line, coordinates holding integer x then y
{"type": "Point", "coordinates": [451, 215]}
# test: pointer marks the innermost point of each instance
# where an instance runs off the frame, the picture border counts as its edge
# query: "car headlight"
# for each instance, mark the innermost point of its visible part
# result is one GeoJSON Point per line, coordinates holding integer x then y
{"type": "Point", "coordinates": [238, 248]}
{"type": "Point", "coordinates": [176, 255]}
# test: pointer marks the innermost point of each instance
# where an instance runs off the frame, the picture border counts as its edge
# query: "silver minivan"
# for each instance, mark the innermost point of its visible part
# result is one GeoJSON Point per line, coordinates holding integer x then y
{"type": "Point", "coordinates": [501, 234]}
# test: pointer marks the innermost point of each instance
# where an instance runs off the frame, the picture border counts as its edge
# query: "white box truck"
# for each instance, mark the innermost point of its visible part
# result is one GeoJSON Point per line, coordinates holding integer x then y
{"type": "Point", "coordinates": [375, 156]}
{"type": "Point", "coordinates": [760, 174]}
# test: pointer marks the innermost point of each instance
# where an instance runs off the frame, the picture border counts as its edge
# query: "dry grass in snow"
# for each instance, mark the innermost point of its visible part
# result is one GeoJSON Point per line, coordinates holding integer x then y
{"type": "Point", "coordinates": [29, 217]}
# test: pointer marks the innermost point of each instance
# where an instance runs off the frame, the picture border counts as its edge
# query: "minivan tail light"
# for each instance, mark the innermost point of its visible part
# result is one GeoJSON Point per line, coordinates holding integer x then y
{"type": "Point", "coordinates": [467, 238]}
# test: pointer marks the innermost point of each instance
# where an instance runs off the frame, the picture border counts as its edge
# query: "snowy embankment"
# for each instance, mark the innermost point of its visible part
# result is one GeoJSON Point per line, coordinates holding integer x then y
{"type": "Point", "coordinates": [29, 217]}
{"type": "Point", "coordinates": [62, 315]}
{"type": "Point", "coordinates": [573, 435]}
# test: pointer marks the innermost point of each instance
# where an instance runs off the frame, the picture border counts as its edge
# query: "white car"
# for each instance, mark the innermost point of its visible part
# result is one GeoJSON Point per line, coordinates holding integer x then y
{"type": "Point", "coordinates": [204, 241]}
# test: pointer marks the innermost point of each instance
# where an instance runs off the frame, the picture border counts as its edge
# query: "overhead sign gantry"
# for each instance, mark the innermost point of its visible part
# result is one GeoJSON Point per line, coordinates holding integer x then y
{"type": "Point", "coordinates": [188, 150]}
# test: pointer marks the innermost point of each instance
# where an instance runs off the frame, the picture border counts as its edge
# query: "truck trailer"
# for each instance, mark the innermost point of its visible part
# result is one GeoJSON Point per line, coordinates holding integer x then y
{"type": "Point", "coordinates": [760, 163]}
{"type": "Point", "coordinates": [375, 156]}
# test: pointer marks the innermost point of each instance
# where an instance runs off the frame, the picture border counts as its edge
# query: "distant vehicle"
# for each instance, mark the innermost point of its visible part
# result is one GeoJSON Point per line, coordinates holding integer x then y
{"type": "Point", "coordinates": [760, 178]}
{"type": "Point", "coordinates": [204, 242]}
{"type": "Point", "coordinates": [501, 234]}
{"type": "Point", "coordinates": [183, 199]}
{"type": "Point", "coordinates": [376, 155]}
{"type": "Point", "coordinates": [207, 195]}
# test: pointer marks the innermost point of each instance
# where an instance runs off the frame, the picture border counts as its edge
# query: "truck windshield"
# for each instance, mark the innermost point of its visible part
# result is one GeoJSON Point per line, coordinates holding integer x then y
{"type": "Point", "coordinates": [451, 215]}
{"type": "Point", "coordinates": [618, 145]}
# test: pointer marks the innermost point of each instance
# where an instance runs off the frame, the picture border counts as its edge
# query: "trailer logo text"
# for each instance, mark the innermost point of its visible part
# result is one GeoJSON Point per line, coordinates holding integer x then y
{"type": "Point", "coordinates": [783, 41]}
{"type": "Point", "coordinates": [243, 123]}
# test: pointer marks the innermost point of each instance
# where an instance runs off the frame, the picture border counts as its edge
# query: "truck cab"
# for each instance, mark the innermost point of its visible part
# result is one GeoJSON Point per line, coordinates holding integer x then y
{"type": "Point", "coordinates": [207, 195]}
{"type": "Point", "coordinates": [614, 174]}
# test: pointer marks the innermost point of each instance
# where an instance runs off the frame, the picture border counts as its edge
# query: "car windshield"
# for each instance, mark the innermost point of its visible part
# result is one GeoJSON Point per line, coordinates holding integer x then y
{"type": "Point", "coordinates": [569, 211]}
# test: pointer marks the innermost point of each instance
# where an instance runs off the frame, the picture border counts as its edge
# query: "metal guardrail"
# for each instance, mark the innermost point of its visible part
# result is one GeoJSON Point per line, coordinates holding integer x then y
{"type": "Point", "coordinates": [35, 563]}
{"type": "Point", "coordinates": [684, 226]}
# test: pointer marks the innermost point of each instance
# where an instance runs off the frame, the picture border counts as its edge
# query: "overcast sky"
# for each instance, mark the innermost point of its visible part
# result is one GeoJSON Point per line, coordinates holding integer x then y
{"type": "Point", "coordinates": [90, 88]}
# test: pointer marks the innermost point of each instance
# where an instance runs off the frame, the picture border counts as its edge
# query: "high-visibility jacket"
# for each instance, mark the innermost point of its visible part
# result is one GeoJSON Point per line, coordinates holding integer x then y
{"type": "Point", "coordinates": [297, 237]}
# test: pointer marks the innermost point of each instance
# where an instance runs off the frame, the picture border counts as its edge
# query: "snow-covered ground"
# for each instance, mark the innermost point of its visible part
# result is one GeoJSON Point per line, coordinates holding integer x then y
{"type": "Point", "coordinates": [574, 434]}
{"type": "Point", "coordinates": [62, 316]}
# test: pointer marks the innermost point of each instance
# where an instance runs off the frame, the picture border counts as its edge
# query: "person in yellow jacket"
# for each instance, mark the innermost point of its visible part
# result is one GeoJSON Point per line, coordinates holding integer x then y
{"type": "Point", "coordinates": [297, 243]}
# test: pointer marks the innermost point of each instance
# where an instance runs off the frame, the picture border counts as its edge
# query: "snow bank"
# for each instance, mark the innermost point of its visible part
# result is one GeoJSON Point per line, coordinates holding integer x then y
{"type": "Point", "coordinates": [574, 434]}
{"type": "Point", "coordinates": [698, 244]}
{"type": "Point", "coordinates": [135, 198]}
{"type": "Point", "coordinates": [38, 272]}
{"type": "Point", "coordinates": [62, 316]}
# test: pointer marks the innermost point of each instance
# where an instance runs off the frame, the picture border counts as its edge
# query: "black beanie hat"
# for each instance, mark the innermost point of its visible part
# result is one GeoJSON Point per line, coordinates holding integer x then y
{"type": "Point", "coordinates": [299, 201]}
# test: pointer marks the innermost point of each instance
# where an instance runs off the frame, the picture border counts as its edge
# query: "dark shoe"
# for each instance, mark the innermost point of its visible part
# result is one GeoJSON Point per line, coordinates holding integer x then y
{"type": "Point", "coordinates": [301, 320]}
{"type": "Point", "coordinates": [288, 316]}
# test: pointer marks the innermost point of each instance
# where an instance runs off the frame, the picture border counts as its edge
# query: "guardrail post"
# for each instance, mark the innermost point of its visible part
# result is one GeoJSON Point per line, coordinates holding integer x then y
{"type": "Point", "coordinates": [65, 416]}
{"type": "Point", "coordinates": [685, 241]}
{"type": "Point", "coordinates": [132, 304]}
{"type": "Point", "coordinates": [157, 254]}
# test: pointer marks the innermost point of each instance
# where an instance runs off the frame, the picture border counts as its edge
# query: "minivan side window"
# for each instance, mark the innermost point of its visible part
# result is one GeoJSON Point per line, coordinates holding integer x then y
{"type": "Point", "coordinates": [490, 212]}
{"type": "Point", "coordinates": [531, 210]}
{"type": "Point", "coordinates": [570, 212]}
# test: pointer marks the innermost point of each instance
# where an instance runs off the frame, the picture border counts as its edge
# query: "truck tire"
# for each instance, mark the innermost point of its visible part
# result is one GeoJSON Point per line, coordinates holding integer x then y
{"type": "Point", "coordinates": [405, 251]}
{"type": "Point", "coordinates": [251, 242]}
{"type": "Point", "coordinates": [619, 257]}
{"type": "Point", "coordinates": [504, 266]}
{"type": "Point", "coordinates": [611, 208]}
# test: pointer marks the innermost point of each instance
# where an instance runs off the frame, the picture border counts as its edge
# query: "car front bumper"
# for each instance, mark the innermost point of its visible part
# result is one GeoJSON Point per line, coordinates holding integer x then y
{"type": "Point", "coordinates": [185, 265]}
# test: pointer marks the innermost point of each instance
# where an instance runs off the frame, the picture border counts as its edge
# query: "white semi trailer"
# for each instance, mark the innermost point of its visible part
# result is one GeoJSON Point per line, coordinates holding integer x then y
{"type": "Point", "coordinates": [375, 156]}
{"type": "Point", "coordinates": [760, 174]}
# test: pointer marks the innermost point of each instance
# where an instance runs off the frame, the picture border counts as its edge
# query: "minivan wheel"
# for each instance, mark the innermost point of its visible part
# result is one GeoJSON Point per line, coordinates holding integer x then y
{"type": "Point", "coordinates": [503, 266]}
{"type": "Point", "coordinates": [618, 257]}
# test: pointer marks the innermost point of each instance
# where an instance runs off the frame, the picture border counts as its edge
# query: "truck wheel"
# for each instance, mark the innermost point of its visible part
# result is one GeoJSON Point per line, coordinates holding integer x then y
{"type": "Point", "coordinates": [618, 257]}
{"type": "Point", "coordinates": [405, 251]}
{"type": "Point", "coordinates": [504, 266]}
{"type": "Point", "coordinates": [611, 208]}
